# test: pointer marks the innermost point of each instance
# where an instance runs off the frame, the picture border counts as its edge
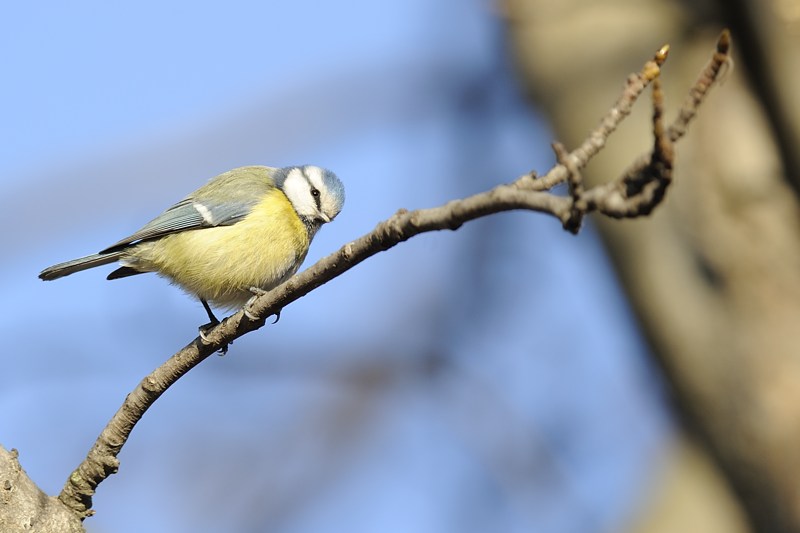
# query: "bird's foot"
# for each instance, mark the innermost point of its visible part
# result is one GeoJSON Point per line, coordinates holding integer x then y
{"type": "Point", "coordinates": [205, 329]}
{"type": "Point", "coordinates": [257, 291]}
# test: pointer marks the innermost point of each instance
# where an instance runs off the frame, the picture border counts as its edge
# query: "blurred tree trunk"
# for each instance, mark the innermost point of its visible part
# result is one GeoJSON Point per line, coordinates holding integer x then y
{"type": "Point", "coordinates": [714, 274]}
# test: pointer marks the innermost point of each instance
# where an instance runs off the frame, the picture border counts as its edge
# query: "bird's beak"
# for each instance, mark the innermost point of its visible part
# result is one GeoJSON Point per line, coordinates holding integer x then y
{"type": "Point", "coordinates": [324, 218]}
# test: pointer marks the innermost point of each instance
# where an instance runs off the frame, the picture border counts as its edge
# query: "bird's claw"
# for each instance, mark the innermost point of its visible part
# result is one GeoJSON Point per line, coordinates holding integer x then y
{"type": "Point", "coordinates": [257, 291]}
{"type": "Point", "coordinates": [203, 331]}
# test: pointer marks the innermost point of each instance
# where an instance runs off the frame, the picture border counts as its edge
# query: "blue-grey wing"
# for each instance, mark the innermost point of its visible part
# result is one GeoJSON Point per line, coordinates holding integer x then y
{"type": "Point", "coordinates": [223, 201]}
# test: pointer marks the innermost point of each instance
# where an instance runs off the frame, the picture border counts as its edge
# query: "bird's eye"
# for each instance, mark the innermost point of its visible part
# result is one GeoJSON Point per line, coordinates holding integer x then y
{"type": "Point", "coordinates": [315, 193]}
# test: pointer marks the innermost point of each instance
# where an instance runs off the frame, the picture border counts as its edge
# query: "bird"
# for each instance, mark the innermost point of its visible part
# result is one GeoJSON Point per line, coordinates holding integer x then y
{"type": "Point", "coordinates": [241, 234]}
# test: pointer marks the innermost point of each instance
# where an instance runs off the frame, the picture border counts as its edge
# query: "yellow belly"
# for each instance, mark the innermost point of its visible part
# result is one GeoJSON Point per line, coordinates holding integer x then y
{"type": "Point", "coordinates": [220, 264]}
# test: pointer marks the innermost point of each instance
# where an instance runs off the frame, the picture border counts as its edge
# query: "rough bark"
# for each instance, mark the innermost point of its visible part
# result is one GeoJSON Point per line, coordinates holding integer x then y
{"type": "Point", "coordinates": [26, 509]}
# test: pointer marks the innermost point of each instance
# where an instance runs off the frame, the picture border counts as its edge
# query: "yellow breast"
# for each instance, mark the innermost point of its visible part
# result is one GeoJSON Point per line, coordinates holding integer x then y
{"type": "Point", "coordinates": [220, 264]}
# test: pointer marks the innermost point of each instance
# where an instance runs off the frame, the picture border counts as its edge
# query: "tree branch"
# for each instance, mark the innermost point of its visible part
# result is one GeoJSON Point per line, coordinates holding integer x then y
{"type": "Point", "coordinates": [636, 193]}
{"type": "Point", "coordinates": [24, 508]}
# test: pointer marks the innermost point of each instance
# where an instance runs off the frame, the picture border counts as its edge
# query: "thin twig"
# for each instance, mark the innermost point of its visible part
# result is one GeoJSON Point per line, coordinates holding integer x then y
{"type": "Point", "coordinates": [575, 183]}
{"type": "Point", "coordinates": [719, 62]}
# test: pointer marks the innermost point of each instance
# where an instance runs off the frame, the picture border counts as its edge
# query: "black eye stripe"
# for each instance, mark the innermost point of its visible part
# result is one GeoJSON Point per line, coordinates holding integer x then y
{"type": "Point", "coordinates": [316, 195]}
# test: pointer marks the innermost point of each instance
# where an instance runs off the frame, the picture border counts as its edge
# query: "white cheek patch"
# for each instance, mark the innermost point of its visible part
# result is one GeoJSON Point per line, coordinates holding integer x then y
{"type": "Point", "coordinates": [296, 189]}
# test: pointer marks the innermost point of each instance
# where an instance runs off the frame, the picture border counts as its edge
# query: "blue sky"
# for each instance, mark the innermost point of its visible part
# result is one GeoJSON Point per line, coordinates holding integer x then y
{"type": "Point", "coordinates": [486, 379]}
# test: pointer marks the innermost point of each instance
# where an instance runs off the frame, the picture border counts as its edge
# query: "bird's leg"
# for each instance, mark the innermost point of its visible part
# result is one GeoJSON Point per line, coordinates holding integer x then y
{"type": "Point", "coordinates": [213, 321]}
{"type": "Point", "coordinates": [257, 291]}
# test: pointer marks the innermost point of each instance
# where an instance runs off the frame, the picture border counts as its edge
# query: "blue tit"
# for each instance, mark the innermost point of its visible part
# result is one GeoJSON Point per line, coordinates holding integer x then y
{"type": "Point", "coordinates": [245, 231]}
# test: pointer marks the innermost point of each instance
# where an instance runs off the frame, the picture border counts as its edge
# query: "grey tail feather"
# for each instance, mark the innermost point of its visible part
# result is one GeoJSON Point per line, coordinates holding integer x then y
{"type": "Point", "coordinates": [76, 265]}
{"type": "Point", "coordinates": [124, 272]}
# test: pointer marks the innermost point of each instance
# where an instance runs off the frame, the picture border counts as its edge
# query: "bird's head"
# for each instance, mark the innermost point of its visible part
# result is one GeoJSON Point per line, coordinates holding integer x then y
{"type": "Point", "coordinates": [316, 194]}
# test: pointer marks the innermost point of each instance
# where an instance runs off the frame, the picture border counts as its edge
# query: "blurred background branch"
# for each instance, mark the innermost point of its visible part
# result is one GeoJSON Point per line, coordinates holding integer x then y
{"type": "Point", "coordinates": [715, 277]}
